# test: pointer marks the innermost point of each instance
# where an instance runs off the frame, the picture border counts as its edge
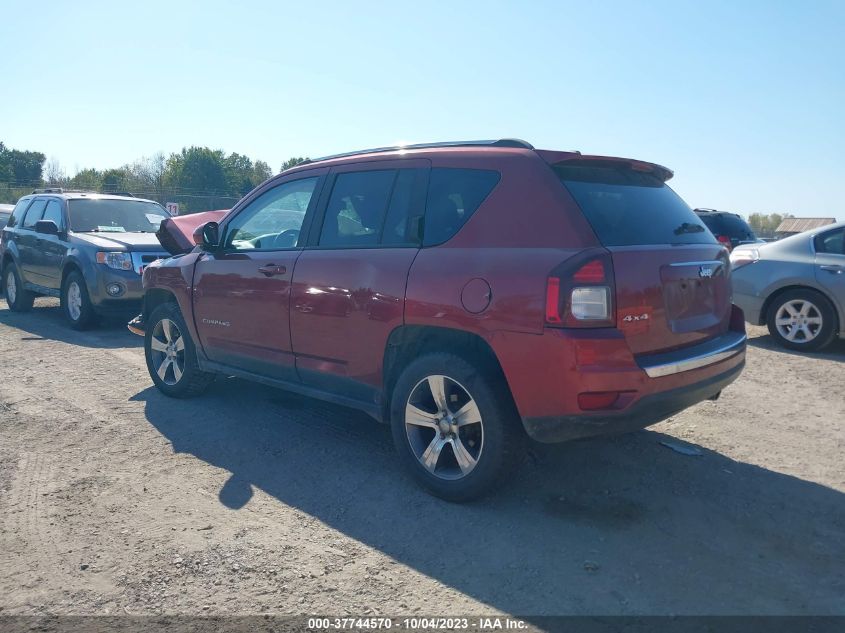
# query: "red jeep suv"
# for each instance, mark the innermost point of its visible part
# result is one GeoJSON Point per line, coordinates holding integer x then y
{"type": "Point", "coordinates": [468, 294]}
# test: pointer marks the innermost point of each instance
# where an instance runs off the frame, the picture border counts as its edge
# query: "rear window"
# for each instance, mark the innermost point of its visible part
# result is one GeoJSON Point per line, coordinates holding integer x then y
{"type": "Point", "coordinates": [453, 196]}
{"type": "Point", "coordinates": [735, 226]}
{"type": "Point", "coordinates": [627, 207]}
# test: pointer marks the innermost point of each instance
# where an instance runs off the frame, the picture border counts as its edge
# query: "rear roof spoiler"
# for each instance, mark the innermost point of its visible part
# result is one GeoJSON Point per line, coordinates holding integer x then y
{"type": "Point", "coordinates": [553, 158]}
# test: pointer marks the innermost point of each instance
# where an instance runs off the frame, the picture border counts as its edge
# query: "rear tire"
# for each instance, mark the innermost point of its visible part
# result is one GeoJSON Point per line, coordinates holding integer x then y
{"type": "Point", "coordinates": [455, 426]}
{"type": "Point", "coordinates": [171, 354]}
{"type": "Point", "coordinates": [76, 304]}
{"type": "Point", "coordinates": [18, 298]}
{"type": "Point", "coordinates": [802, 320]}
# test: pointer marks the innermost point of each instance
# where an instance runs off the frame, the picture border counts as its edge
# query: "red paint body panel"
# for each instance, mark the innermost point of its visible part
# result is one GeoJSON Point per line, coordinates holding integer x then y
{"type": "Point", "coordinates": [345, 304]}
{"type": "Point", "coordinates": [241, 314]}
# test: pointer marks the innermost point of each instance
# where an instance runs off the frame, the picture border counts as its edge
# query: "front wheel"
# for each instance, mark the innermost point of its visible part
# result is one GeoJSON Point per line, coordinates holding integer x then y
{"type": "Point", "coordinates": [76, 304]}
{"type": "Point", "coordinates": [455, 426]}
{"type": "Point", "coordinates": [802, 320]}
{"type": "Point", "coordinates": [171, 355]}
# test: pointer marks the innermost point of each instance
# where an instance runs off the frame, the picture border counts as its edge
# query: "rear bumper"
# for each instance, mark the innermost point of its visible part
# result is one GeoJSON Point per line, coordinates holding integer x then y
{"type": "Point", "coordinates": [563, 382]}
{"type": "Point", "coordinates": [647, 411]}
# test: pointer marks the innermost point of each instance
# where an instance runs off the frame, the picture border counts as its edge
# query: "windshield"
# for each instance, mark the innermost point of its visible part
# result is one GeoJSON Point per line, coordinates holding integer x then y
{"type": "Point", "coordinates": [115, 216]}
{"type": "Point", "coordinates": [627, 207]}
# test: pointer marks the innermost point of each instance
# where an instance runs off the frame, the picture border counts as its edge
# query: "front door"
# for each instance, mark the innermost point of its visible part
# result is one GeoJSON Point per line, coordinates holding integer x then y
{"type": "Point", "coordinates": [349, 283]}
{"type": "Point", "coordinates": [50, 249]}
{"type": "Point", "coordinates": [242, 291]}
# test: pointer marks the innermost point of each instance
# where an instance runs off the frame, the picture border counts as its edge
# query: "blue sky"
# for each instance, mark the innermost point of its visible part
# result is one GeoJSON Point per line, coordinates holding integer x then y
{"type": "Point", "coordinates": [744, 100]}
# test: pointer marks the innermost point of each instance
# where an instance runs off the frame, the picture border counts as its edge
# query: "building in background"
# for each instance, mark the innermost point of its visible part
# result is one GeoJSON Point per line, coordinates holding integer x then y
{"type": "Point", "coordinates": [791, 226]}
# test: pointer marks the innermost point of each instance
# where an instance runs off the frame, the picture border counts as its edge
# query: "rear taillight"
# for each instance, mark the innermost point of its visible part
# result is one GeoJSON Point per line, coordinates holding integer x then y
{"type": "Point", "coordinates": [579, 292]}
{"type": "Point", "coordinates": [725, 241]}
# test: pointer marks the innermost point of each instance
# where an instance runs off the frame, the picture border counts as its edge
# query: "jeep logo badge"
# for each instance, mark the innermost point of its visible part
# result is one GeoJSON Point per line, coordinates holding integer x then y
{"type": "Point", "coordinates": [705, 271]}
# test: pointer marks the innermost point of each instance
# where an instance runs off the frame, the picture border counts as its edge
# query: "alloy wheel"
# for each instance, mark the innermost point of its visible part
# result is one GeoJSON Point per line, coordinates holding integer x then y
{"type": "Point", "coordinates": [168, 351]}
{"type": "Point", "coordinates": [444, 427]}
{"type": "Point", "coordinates": [799, 321]}
{"type": "Point", "coordinates": [74, 301]}
{"type": "Point", "coordinates": [11, 287]}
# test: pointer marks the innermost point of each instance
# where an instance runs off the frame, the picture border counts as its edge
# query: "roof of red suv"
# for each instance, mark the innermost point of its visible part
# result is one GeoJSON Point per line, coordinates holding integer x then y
{"type": "Point", "coordinates": [500, 146]}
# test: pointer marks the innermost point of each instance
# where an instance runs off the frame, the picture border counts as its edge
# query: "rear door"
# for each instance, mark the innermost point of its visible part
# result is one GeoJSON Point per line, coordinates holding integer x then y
{"type": "Point", "coordinates": [349, 284]}
{"type": "Point", "coordinates": [672, 278]}
{"type": "Point", "coordinates": [830, 264]}
{"type": "Point", "coordinates": [242, 292]}
{"type": "Point", "coordinates": [27, 240]}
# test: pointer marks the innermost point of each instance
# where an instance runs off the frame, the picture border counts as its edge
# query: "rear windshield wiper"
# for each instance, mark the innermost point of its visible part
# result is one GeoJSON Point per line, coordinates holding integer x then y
{"type": "Point", "coordinates": [687, 227]}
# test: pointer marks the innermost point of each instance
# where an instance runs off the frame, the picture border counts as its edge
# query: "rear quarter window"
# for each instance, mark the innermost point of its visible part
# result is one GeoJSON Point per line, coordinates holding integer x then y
{"type": "Point", "coordinates": [453, 196]}
{"type": "Point", "coordinates": [628, 208]}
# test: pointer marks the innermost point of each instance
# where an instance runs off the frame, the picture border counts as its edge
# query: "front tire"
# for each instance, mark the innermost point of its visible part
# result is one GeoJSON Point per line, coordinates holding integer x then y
{"type": "Point", "coordinates": [171, 354]}
{"type": "Point", "coordinates": [18, 298]}
{"type": "Point", "coordinates": [802, 320]}
{"type": "Point", "coordinates": [76, 304]}
{"type": "Point", "coordinates": [455, 426]}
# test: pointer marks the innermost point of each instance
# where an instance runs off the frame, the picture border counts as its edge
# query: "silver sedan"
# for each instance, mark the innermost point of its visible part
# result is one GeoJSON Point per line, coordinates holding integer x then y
{"type": "Point", "coordinates": [795, 286]}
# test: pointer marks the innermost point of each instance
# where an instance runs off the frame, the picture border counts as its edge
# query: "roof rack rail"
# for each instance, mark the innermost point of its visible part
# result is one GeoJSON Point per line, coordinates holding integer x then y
{"type": "Point", "coordinates": [119, 193]}
{"type": "Point", "coordinates": [502, 142]}
{"type": "Point", "coordinates": [49, 190]}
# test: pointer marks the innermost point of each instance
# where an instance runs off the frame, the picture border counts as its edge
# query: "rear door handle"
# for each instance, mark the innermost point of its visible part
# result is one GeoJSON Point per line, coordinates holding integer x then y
{"type": "Point", "coordinates": [271, 269]}
{"type": "Point", "coordinates": [836, 270]}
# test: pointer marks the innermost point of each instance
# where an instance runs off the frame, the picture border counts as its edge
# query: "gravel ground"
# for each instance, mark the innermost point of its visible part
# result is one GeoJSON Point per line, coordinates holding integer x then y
{"type": "Point", "coordinates": [249, 500]}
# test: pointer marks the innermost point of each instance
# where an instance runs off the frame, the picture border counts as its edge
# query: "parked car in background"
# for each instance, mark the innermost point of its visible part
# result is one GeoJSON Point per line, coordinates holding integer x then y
{"type": "Point", "coordinates": [87, 249]}
{"type": "Point", "coordinates": [728, 228]}
{"type": "Point", "coordinates": [466, 293]}
{"type": "Point", "coordinates": [795, 286]}
{"type": "Point", "coordinates": [5, 214]}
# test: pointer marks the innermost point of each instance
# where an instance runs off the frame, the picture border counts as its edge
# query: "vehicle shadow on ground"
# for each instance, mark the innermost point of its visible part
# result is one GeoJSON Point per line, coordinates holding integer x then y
{"type": "Point", "coordinates": [46, 322]}
{"type": "Point", "coordinates": [607, 526]}
{"type": "Point", "coordinates": [835, 351]}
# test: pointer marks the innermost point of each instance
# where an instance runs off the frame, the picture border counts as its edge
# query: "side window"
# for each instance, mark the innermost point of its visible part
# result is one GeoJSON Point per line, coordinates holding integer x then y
{"type": "Point", "coordinates": [18, 212]}
{"type": "Point", "coordinates": [453, 196]}
{"type": "Point", "coordinates": [53, 212]}
{"type": "Point", "coordinates": [831, 242]}
{"type": "Point", "coordinates": [356, 208]}
{"type": "Point", "coordinates": [274, 219]}
{"type": "Point", "coordinates": [34, 213]}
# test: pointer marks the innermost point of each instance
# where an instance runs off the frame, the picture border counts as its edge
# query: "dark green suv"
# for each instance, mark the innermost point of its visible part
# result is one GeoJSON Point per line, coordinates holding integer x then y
{"type": "Point", "coordinates": [87, 249]}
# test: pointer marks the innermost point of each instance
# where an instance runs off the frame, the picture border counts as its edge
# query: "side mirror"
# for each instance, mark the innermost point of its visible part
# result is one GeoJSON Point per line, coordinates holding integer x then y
{"type": "Point", "coordinates": [47, 227]}
{"type": "Point", "coordinates": [207, 236]}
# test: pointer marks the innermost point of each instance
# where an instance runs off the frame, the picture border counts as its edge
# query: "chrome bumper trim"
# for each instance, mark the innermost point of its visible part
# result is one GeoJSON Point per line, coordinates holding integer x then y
{"type": "Point", "coordinates": [723, 351]}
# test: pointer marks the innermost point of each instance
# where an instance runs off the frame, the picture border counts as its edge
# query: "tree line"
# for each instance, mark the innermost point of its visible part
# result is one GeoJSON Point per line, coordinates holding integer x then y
{"type": "Point", "coordinates": [198, 178]}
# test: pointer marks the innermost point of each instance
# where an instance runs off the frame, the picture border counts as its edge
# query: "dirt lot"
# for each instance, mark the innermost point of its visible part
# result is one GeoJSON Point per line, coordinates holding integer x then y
{"type": "Point", "coordinates": [114, 499]}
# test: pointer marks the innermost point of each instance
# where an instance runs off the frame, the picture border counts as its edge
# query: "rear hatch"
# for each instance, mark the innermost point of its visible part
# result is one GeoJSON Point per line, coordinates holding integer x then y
{"type": "Point", "coordinates": [672, 278]}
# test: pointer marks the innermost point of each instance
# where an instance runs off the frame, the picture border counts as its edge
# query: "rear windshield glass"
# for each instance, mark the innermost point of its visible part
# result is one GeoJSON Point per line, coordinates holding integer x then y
{"type": "Point", "coordinates": [735, 226]}
{"type": "Point", "coordinates": [115, 216]}
{"type": "Point", "coordinates": [627, 207]}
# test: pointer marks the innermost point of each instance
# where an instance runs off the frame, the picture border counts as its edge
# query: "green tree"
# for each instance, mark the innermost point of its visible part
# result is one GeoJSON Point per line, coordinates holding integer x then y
{"type": "Point", "coordinates": [87, 179]}
{"type": "Point", "coordinates": [116, 180]}
{"type": "Point", "coordinates": [197, 169]}
{"type": "Point", "coordinates": [22, 168]}
{"type": "Point", "coordinates": [293, 162]}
